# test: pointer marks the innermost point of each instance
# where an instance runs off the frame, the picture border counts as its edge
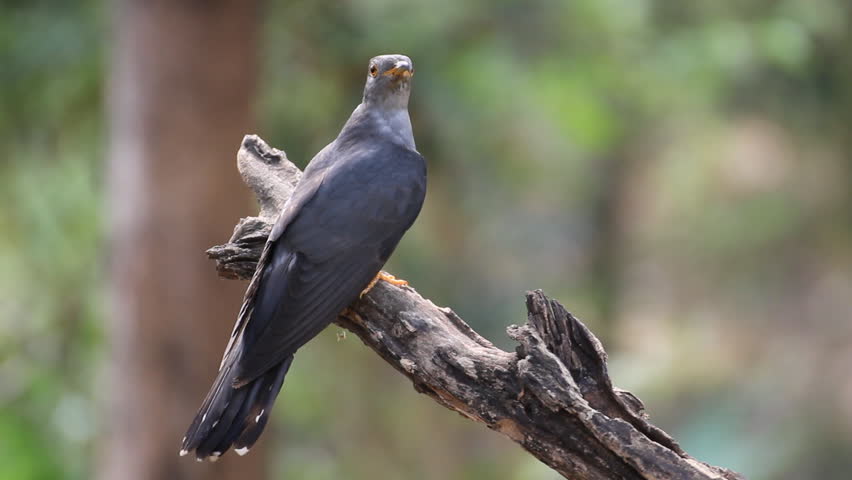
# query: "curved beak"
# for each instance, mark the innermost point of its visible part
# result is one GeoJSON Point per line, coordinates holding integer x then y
{"type": "Point", "coordinates": [401, 69]}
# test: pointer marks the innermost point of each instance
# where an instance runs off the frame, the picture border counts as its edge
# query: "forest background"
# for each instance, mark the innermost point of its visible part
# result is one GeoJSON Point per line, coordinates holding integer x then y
{"type": "Point", "coordinates": [678, 174]}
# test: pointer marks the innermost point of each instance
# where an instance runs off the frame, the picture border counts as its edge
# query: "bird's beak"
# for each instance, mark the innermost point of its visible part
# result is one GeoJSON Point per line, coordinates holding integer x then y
{"type": "Point", "coordinates": [401, 70]}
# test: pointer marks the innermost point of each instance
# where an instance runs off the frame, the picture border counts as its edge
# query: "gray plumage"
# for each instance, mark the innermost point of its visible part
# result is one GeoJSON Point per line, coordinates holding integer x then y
{"type": "Point", "coordinates": [354, 202]}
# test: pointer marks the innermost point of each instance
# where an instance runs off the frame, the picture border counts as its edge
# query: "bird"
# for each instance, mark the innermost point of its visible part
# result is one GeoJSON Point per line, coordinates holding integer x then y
{"type": "Point", "coordinates": [351, 207]}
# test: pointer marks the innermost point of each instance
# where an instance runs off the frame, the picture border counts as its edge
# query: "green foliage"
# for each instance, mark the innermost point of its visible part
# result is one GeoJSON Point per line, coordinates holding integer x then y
{"type": "Point", "coordinates": [51, 245]}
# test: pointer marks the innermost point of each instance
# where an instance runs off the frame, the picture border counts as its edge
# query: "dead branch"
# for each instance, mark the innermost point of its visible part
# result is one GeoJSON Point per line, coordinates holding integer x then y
{"type": "Point", "coordinates": [552, 395]}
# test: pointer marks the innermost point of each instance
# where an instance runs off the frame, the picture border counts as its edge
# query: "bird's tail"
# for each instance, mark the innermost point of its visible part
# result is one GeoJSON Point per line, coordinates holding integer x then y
{"type": "Point", "coordinates": [233, 416]}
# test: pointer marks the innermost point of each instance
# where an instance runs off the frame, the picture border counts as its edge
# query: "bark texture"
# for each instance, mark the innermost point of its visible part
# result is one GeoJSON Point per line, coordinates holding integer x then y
{"type": "Point", "coordinates": [552, 395]}
{"type": "Point", "coordinates": [181, 86]}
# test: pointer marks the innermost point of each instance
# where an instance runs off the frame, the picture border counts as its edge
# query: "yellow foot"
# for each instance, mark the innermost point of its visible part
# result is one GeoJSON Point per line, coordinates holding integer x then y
{"type": "Point", "coordinates": [391, 279]}
{"type": "Point", "coordinates": [386, 277]}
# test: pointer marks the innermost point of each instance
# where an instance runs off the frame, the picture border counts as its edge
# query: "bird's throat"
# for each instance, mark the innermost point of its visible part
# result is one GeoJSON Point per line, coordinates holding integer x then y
{"type": "Point", "coordinates": [397, 124]}
{"type": "Point", "coordinates": [393, 124]}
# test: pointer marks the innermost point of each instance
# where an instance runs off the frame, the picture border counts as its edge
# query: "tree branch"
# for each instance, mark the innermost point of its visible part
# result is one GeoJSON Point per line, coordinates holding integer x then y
{"type": "Point", "coordinates": [553, 395]}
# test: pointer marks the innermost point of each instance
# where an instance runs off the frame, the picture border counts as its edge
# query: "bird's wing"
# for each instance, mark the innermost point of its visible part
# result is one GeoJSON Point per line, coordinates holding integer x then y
{"type": "Point", "coordinates": [330, 250]}
{"type": "Point", "coordinates": [305, 190]}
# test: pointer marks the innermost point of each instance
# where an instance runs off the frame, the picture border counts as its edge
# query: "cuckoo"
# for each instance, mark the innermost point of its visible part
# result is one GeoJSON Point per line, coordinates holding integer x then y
{"type": "Point", "coordinates": [355, 200]}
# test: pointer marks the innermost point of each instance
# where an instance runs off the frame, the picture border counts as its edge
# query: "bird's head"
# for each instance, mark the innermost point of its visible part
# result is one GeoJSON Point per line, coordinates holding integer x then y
{"type": "Point", "coordinates": [388, 81]}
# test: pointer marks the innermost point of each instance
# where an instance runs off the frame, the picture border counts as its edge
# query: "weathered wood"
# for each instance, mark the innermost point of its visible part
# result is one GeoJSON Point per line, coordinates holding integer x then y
{"type": "Point", "coordinates": [553, 395]}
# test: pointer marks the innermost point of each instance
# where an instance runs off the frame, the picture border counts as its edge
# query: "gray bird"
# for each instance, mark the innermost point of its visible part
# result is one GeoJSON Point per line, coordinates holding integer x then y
{"type": "Point", "coordinates": [354, 202]}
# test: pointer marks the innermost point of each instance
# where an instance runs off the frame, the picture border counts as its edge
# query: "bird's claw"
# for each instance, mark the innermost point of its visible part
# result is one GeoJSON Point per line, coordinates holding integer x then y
{"type": "Point", "coordinates": [386, 277]}
{"type": "Point", "coordinates": [392, 280]}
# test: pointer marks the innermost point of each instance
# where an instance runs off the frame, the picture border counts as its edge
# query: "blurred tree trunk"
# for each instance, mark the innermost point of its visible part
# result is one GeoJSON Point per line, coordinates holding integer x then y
{"type": "Point", "coordinates": [607, 237]}
{"type": "Point", "coordinates": [181, 89]}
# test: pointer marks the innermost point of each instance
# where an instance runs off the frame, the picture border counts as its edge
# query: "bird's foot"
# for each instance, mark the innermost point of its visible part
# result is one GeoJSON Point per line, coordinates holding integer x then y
{"type": "Point", "coordinates": [386, 277]}
{"type": "Point", "coordinates": [370, 286]}
{"type": "Point", "coordinates": [391, 279]}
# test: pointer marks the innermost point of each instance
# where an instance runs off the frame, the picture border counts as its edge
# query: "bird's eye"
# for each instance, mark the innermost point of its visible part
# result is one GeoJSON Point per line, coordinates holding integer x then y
{"type": "Point", "coordinates": [374, 70]}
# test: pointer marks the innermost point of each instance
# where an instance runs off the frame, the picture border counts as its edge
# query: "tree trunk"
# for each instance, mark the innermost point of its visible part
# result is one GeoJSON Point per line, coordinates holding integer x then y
{"type": "Point", "coordinates": [182, 84]}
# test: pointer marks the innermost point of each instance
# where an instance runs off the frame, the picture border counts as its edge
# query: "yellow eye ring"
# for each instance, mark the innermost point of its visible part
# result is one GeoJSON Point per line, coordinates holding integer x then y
{"type": "Point", "coordinates": [374, 70]}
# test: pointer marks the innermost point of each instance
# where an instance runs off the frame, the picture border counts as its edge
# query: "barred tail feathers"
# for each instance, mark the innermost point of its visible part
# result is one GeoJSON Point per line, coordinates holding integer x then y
{"type": "Point", "coordinates": [232, 416]}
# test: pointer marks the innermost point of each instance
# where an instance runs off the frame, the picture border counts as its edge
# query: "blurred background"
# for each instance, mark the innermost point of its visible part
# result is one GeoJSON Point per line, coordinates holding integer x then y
{"type": "Point", "coordinates": [677, 174]}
